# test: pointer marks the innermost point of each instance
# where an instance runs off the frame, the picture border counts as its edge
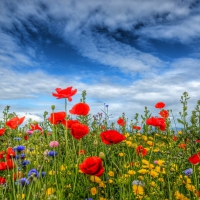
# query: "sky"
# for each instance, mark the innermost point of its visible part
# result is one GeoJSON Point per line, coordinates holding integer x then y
{"type": "Point", "coordinates": [127, 54]}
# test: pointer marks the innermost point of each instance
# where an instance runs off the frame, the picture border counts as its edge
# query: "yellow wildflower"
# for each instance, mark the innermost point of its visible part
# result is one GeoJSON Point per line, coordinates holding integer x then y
{"type": "Point", "coordinates": [144, 137]}
{"type": "Point", "coordinates": [154, 173]}
{"type": "Point", "coordinates": [50, 191]}
{"type": "Point", "coordinates": [138, 190]}
{"type": "Point", "coordinates": [190, 187]}
{"type": "Point", "coordinates": [180, 132]}
{"type": "Point", "coordinates": [95, 179]}
{"type": "Point", "coordinates": [161, 180]}
{"type": "Point", "coordinates": [102, 198]}
{"type": "Point", "coordinates": [93, 190]}
{"type": "Point", "coordinates": [143, 171]}
{"type": "Point", "coordinates": [62, 167]}
{"type": "Point", "coordinates": [180, 196]}
{"type": "Point", "coordinates": [131, 172]}
{"type": "Point", "coordinates": [150, 138]}
{"type": "Point", "coordinates": [111, 173]}
{"type": "Point", "coordinates": [160, 162]}
{"type": "Point", "coordinates": [102, 184]}
{"type": "Point", "coordinates": [121, 154]}
{"type": "Point", "coordinates": [68, 186]}
{"type": "Point", "coordinates": [126, 165]}
{"type": "Point", "coordinates": [20, 196]}
{"type": "Point", "coordinates": [146, 162]}
{"type": "Point", "coordinates": [126, 134]}
{"type": "Point", "coordinates": [150, 143]}
{"type": "Point", "coordinates": [153, 184]}
{"type": "Point", "coordinates": [129, 143]}
{"type": "Point", "coordinates": [110, 181]}
{"type": "Point", "coordinates": [141, 178]}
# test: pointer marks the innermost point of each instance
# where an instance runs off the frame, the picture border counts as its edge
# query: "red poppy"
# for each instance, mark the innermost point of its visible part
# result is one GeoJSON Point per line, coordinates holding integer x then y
{"type": "Point", "coordinates": [2, 131]}
{"type": "Point", "coordinates": [158, 122]}
{"type": "Point", "coordinates": [57, 118]}
{"type": "Point", "coordinates": [136, 128]}
{"type": "Point", "coordinates": [82, 152]}
{"type": "Point", "coordinates": [80, 109]}
{"type": "Point", "coordinates": [15, 122]}
{"type": "Point", "coordinates": [65, 93]}
{"type": "Point", "coordinates": [160, 105]}
{"type": "Point", "coordinates": [3, 166]}
{"type": "Point", "coordinates": [2, 153]}
{"type": "Point", "coordinates": [195, 159]}
{"type": "Point", "coordinates": [111, 137]}
{"type": "Point", "coordinates": [121, 122]}
{"type": "Point", "coordinates": [17, 175]}
{"type": "Point", "coordinates": [174, 138]}
{"type": "Point", "coordinates": [35, 127]}
{"type": "Point", "coordinates": [164, 114]}
{"type": "Point", "coordinates": [10, 153]}
{"type": "Point", "coordinates": [197, 141]}
{"type": "Point", "coordinates": [183, 146]}
{"type": "Point", "coordinates": [2, 180]}
{"type": "Point", "coordinates": [10, 164]}
{"type": "Point", "coordinates": [70, 122]}
{"type": "Point", "coordinates": [140, 150]}
{"type": "Point", "coordinates": [79, 130]}
{"type": "Point", "coordinates": [26, 137]}
{"type": "Point", "coordinates": [92, 166]}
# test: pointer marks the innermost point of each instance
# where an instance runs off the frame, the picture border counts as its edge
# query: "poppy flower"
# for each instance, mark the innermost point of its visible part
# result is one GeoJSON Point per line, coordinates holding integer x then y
{"type": "Point", "coordinates": [15, 122]}
{"type": "Point", "coordinates": [2, 153]}
{"type": "Point", "coordinates": [2, 180]}
{"type": "Point", "coordinates": [121, 122]}
{"type": "Point", "coordinates": [111, 137]}
{"type": "Point", "coordinates": [65, 93]}
{"type": "Point", "coordinates": [79, 130]}
{"type": "Point", "coordinates": [82, 152]}
{"type": "Point", "coordinates": [3, 166]}
{"type": "Point", "coordinates": [92, 166]}
{"type": "Point", "coordinates": [194, 159]}
{"type": "Point", "coordinates": [35, 127]}
{"type": "Point", "coordinates": [160, 105]}
{"type": "Point", "coordinates": [174, 138]}
{"type": "Point", "coordinates": [2, 131]}
{"type": "Point", "coordinates": [10, 153]}
{"type": "Point", "coordinates": [80, 109]}
{"type": "Point", "coordinates": [164, 114]}
{"type": "Point", "coordinates": [183, 146]}
{"type": "Point", "coordinates": [140, 150]}
{"type": "Point", "coordinates": [10, 164]}
{"type": "Point", "coordinates": [26, 137]}
{"type": "Point", "coordinates": [136, 128]}
{"type": "Point", "coordinates": [70, 122]}
{"type": "Point", "coordinates": [158, 122]}
{"type": "Point", "coordinates": [57, 118]}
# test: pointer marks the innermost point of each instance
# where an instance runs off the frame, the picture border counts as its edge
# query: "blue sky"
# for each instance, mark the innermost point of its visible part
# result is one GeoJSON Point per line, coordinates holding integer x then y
{"type": "Point", "coordinates": [127, 54]}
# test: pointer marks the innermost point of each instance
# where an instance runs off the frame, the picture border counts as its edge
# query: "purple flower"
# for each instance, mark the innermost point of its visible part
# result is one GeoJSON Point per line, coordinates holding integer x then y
{"type": "Point", "coordinates": [25, 162]}
{"type": "Point", "coordinates": [188, 172]}
{"type": "Point", "coordinates": [24, 181]}
{"type": "Point", "coordinates": [52, 153]}
{"type": "Point", "coordinates": [20, 148]}
{"type": "Point", "coordinates": [33, 172]}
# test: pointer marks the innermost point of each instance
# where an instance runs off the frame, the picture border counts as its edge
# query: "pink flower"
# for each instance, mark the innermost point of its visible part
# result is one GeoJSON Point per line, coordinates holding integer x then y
{"type": "Point", "coordinates": [53, 144]}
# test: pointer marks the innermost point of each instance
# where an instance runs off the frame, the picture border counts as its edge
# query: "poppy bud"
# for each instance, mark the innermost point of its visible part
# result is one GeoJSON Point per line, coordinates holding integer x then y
{"type": "Point", "coordinates": [53, 107]}
{"type": "Point", "coordinates": [95, 142]}
{"type": "Point", "coordinates": [102, 155]}
{"type": "Point", "coordinates": [34, 122]}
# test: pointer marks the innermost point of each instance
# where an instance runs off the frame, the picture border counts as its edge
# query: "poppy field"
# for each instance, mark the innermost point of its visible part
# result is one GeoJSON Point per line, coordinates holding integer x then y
{"type": "Point", "coordinates": [73, 154]}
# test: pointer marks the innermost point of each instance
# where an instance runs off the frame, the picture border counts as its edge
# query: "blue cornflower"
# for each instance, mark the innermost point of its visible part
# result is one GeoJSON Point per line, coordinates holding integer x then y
{"type": "Point", "coordinates": [16, 157]}
{"type": "Point", "coordinates": [20, 148]}
{"type": "Point", "coordinates": [188, 172]}
{"type": "Point", "coordinates": [17, 138]}
{"type": "Point", "coordinates": [23, 155]}
{"type": "Point", "coordinates": [24, 181]}
{"type": "Point", "coordinates": [88, 199]}
{"type": "Point", "coordinates": [52, 153]}
{"type": "Point", "coordinates": [33, 172]}
{"type": "Point", "coordinates": [43, 174]}
{"type": "Point", "coordinates": [107, 106]}
{"type": "Point", "coordinates": [25, 162]}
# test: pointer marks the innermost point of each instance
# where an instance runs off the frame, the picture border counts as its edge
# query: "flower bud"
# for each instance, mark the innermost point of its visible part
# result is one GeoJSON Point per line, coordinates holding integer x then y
{"type": "Point", "coordinates": [95, 142]}
{"type": "Point", "coordinates": [53, 107]}
{"type": "Point", "coordinates": [102, 155]}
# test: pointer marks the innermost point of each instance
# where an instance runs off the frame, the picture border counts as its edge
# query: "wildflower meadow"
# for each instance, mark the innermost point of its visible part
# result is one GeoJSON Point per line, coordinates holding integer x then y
{"type": "Point", "coordinates": [73, 154]}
